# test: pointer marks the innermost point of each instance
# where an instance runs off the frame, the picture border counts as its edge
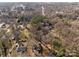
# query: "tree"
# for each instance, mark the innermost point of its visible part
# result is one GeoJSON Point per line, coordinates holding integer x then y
{"type": "Point", "coordinates": [37, 19]}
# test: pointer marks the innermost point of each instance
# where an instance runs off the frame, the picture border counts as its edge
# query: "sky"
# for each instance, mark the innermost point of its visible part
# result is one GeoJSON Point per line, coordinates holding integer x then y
{"type": "Point", "coordinates": [39, 0]}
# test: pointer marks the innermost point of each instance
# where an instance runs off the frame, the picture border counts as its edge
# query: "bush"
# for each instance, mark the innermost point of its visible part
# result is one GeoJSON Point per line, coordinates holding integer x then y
{"type": "Point", "coordinates": [56, 44]}
{"type": "Point", "coordinates": [59, 50]}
